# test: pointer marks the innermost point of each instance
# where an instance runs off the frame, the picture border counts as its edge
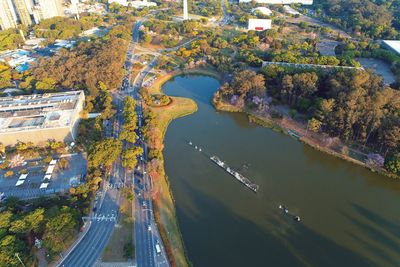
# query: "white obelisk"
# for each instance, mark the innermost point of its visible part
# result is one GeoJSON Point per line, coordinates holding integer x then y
{"type": "Point", "coordinates": [185, 10]}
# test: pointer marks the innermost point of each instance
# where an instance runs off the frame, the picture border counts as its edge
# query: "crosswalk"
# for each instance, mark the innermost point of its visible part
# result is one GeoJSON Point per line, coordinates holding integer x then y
{"type": "Point", "coordinates": [102, 218]}
{"type": "Point", "coordinates": [29, 193]}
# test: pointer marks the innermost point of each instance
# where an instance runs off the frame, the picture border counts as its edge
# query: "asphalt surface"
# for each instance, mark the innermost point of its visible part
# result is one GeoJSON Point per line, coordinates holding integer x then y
{"type": "Point", "coordinates": [101, 224]}
{"type": "Point", "coordinates": [147, 236]}
{"type": "Point", "coordinates": [61, 180]}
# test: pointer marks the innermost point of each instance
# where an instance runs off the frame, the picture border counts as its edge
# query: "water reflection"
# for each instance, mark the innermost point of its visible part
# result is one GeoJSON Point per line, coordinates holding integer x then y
{"type": "Point", "coordinates": [347, 212]}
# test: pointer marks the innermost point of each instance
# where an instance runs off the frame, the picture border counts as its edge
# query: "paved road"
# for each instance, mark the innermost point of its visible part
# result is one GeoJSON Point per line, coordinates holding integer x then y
{"type": "Point", "coordinates": [147, 236]}
{"type": "Point", "coordinates": [102, 222]}
{"type": "Point", "coordinates": [298, 65]}
{"type": "Point", "coordinates": [225, 18]}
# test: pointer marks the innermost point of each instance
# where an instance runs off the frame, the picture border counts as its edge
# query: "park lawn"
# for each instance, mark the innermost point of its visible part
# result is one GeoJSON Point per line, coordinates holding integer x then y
{"type": "Point", "coordinates": [165, 206]}
{"type": "Point", "coordinates": [122, 234]}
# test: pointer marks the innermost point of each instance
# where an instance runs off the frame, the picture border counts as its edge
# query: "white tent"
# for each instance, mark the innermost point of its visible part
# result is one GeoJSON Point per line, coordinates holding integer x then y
{"type": "Point", "coordinates": [23, 176]}
{"type": "Point", "coordinates": [47, 177]}
{"type": "Point", "coordinates": [53, 162]}
{"type": "Point", "coordinates": [50, 169]}
{"type": "Point", "coordinates": [19, 182]}
{"type": "Point", "coordinates": [44, 185]}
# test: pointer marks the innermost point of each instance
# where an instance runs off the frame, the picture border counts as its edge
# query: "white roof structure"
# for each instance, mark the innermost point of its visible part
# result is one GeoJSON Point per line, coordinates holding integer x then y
{"type": "Point", "coordinates": [280, 2]}
{"type": "Point", "coordinates": [47, 177]}
{"type": "Point", "coordinates": [393, 44]}
{"type": "Point", "coordinates": [53, 162]}
{"type": "Point", "coordinates": [27, 112]}
{"type": "Point", "coordinates": [259, 24]}
{"type": "Point", "coordinates": [134, 4]}
{"type": "Point", "coordinates": [263, 10]}
{"type": "Point", "coordinates": [50, 169]}
{"type": "Point", "coordinates": [290, 10]}
{"type": "Point", "coordinates": [23, 176]}
{"type": "Point", "coordinates": [44, 185]}
{"type": "Point", "coordinates": [19, 182]}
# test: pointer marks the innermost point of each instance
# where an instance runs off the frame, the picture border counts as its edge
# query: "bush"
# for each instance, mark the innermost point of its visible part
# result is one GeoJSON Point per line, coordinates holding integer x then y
{"type": "Point", "coordinates": [392, 163]}
{"type": "Point", "coordinates": [292, 113]}
{"type": "Point", "coordinates": [128, 250]}
{"type": "Point", "coordinates": [8, 173]}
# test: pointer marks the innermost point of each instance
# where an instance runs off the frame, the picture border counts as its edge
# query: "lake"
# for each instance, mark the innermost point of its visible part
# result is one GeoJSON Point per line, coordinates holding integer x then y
{"type": "Point", "coordinates": [349, 215]}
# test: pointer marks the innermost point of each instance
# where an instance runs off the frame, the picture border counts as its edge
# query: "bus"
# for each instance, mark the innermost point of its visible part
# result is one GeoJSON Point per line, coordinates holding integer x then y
{"type": "Point", "coordinates": [158, 249]}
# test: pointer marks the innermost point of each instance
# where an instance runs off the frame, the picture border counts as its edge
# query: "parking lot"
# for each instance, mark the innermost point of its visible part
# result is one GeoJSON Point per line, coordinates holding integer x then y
{"type": "Point", "coordinates": [60, 181]}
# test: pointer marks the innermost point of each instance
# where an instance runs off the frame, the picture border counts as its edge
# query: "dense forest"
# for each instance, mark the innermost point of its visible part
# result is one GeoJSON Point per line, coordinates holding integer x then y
{"type": "Point", "coordinates": [371, 18]}
{"type": "Point", "coordinates": [84, 66]}
{"type": "Point", "coordinates": [352, 105]}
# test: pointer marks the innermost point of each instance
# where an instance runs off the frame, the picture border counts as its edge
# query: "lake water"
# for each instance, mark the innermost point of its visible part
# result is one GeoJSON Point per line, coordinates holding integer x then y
{"type": "Point", "coordinates": [349, 215]}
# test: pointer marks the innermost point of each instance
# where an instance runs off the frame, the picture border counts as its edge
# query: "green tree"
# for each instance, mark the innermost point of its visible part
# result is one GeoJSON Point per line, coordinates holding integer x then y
{"type": "Point", "coordinates": [59, 231]}
{"type": "Point", "coordinates": [314, 125]}
{"type": "Point", "coordinates": [5, 219]}
{"type": "Point", "coordinates": [129, 157]}
{"type": "Point", "coordinates": [392, 163]}
{"type": "Point", "coordinates": [105, 152]}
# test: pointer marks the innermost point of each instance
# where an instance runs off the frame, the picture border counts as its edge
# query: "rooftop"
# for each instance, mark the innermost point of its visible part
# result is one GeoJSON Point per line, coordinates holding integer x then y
{"type": "Point", "coordinates": [37, 111]}
{"type": "Point", "coordinates": [394, 44]}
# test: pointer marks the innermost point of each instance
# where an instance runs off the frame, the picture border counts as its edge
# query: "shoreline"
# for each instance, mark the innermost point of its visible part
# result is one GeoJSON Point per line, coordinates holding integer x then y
{"type": "Point", "coordinates": [167, 220]}
{"type": "Point", "coordinates": [271, 123]}
{"type": "Point", "coordinates": [274, 125]}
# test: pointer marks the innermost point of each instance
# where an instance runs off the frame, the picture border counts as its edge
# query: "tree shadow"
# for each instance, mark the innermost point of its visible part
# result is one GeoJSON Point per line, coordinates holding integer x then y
{"type": "Point", "coordinates": [383, 235]}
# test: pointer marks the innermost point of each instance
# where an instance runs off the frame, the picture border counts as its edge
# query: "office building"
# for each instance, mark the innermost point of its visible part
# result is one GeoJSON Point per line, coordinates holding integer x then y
{"type": "Point", "coordinates": [38, 118]}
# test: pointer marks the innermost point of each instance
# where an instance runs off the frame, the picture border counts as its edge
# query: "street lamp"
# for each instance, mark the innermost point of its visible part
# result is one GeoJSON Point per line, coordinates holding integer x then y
{"type": "Point", "coordinates": [16, 255]}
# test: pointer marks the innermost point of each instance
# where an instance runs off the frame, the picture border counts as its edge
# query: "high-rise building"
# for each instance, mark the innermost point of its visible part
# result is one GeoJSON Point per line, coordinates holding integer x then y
{"type": "Point", "coordinates": [185, 10]}
{"type": "Point", "coordinates": [47, 9]}
{"type": "Point", "coordinates": [8, 17]}
{"type": "Point", "coordinates": [23, 10]}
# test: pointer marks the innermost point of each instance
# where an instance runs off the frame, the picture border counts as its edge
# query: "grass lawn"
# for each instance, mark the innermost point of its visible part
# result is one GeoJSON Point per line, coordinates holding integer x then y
{"type": "Point", "coordinates": [122, 235]}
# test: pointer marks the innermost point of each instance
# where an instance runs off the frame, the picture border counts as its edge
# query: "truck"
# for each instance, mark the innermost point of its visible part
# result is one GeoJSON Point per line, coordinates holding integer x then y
{"type": "Point", "coordinates": [158, 249]}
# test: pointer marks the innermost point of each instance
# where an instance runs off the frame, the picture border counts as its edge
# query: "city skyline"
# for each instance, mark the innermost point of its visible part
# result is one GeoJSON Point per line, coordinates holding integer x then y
{"type": "Point", "coordinates": [27, 12]}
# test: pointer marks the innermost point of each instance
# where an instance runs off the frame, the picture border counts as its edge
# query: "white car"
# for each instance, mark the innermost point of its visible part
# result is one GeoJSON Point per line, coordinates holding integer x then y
{"type": "Point", "coordinates": [149, 228]}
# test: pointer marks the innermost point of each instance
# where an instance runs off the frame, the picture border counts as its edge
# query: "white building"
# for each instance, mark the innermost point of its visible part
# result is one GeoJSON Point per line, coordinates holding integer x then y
{"type": "Point", "coordinates": [259, 24]}
{"type": "Point", "coordinates": [134, 4]}
{"type": "Point", "coordinates": [263, 10]}
{"type": "Point", "coordinates": [393, 45]}
{"type": "Point", "coordinates": [291, 11]}
{"type": "Point", "coordinates": [38, 118]}
{"type": "Point", "coordinates": [48, 9]}
{"type": "Point", "coordinates": [8, 16]}
{"type": "Point", "coordinates": [279, 2]}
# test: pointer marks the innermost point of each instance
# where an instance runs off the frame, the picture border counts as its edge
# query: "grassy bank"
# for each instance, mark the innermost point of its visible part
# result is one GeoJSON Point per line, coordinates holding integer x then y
{"type": "Point", "coordinates": [164, 208]}
{"type": "Point", "coordinates": [120, 247]}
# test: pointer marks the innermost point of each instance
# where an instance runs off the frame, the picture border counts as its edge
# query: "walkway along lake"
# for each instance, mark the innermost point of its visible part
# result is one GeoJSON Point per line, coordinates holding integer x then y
{"type": "Point", "coordinates": [349, 215]}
